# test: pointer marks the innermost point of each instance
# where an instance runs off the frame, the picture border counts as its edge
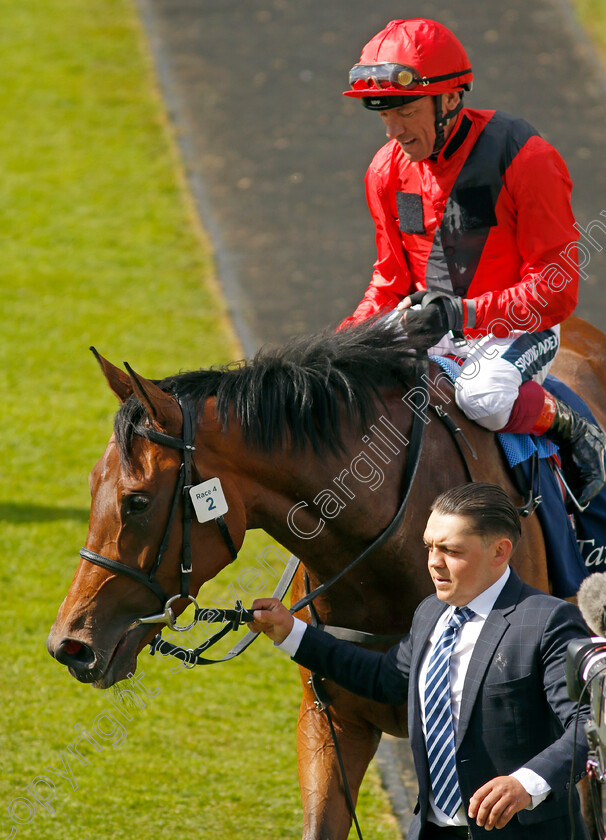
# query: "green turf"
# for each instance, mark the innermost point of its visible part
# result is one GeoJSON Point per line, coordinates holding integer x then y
{"type": "Point", "coordinates": [101, 246]}
{"type": "Point", "coordinates": [592, 15]}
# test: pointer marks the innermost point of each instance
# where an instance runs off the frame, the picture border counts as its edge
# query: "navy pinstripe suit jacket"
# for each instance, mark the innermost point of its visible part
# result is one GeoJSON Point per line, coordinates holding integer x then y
{"type": "Point", "coordinates": [515, 710]}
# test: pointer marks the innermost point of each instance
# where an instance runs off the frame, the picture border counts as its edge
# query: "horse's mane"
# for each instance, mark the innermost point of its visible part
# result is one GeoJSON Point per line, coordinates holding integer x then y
{"type": "Point", "coordinates": [302, 392]}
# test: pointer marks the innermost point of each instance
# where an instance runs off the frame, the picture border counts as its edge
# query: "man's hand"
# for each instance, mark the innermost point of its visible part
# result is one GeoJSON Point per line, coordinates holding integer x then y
{"type": "Point", "coordinates": [271, 618]}
{"type": "Point", "coordinates": [439, 313]}
{"type": "Point", "coordinates": [406, 303]}
{"type": "Point", "coordinates": [495, 803]}
{"type": "Point", "coordinates": [425, 327]}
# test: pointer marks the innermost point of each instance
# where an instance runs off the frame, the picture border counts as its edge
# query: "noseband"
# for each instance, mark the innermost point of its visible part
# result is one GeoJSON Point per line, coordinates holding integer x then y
{"type": "Point", "coordinates": [184, 484]}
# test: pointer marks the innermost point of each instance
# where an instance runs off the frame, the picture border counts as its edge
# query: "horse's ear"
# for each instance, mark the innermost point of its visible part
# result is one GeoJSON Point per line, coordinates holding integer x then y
{"type": "Point", "coordinates": [117, 379]}
{"type": "Point", "coordinates": [161, 407]}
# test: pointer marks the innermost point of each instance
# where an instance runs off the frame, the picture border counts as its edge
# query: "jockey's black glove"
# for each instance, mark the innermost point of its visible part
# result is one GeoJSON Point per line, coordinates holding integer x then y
{"type": "Point", "coordinates": [438, 315]}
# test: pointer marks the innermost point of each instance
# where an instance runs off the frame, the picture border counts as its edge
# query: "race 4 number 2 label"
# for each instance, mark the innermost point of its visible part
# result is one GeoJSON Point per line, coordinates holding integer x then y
{"type": "Point", "coordinates": [208, 500]}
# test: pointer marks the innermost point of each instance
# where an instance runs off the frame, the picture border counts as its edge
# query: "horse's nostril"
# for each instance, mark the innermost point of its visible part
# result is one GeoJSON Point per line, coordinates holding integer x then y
{"type": "Point", "coordinates": [75, 654]}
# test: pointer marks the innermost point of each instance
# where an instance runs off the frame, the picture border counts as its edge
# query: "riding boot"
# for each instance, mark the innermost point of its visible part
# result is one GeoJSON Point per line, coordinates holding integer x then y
{"type": "Point", "coordinates": [582, 447]}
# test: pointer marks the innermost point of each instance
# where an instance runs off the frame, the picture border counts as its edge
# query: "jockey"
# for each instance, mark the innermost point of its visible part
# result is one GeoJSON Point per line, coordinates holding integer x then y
{"type": "Point", "coordinates": [476, 243]}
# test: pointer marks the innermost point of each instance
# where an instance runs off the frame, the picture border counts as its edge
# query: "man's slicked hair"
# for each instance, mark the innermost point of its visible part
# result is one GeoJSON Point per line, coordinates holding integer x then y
{"type": "Point", "coordinates": [487, 506]}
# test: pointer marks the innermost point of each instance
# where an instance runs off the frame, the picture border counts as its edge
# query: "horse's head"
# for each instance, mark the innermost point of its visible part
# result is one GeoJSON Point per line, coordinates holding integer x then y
{"type": "Point", "coordinates": [134, 558]}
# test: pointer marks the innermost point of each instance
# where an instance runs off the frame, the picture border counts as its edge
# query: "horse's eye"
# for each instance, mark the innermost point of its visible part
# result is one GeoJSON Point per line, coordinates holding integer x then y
{"type": "Point", "coordinates": [136, 503]}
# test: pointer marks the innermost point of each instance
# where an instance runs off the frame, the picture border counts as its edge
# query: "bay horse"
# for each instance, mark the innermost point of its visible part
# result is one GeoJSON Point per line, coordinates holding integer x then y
{"type": "Point", "coordinates": [309, 442]}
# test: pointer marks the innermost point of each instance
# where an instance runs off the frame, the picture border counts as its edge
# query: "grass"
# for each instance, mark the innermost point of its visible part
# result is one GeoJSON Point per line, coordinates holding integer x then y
{"type": "Point", "coordinates": [592, 15]}
{"type": "Point", "coordinates": [101, 246]}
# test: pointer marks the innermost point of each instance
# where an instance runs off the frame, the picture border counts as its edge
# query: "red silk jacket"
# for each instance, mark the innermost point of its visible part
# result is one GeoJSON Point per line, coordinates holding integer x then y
{"type": "Point", "coordinates": [489, 220]}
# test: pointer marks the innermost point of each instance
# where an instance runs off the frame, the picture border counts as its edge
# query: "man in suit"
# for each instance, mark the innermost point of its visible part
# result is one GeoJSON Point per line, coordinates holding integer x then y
{"type": "Point", "coordinates": [492, 729]}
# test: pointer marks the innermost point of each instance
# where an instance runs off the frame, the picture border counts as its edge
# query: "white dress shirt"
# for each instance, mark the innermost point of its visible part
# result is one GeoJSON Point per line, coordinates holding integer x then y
{"type": "Point", "coordinates": [465, 642]}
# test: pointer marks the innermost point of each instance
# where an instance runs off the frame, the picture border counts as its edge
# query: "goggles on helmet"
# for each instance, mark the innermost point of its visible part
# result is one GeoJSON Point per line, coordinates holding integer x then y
{"type": "Point", "coordinates": [364, 76]}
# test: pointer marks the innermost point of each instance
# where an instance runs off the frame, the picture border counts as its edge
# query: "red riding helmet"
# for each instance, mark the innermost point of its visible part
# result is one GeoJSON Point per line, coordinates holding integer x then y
{"type": "Point", "coordinates": [410, 58]}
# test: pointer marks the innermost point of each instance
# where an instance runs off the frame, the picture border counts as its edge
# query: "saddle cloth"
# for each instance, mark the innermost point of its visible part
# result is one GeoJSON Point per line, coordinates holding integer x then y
{"type": "Point", "coordinates": [575, 543]}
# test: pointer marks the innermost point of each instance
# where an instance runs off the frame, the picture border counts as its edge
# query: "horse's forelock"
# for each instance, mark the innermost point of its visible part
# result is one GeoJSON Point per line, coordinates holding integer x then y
{"type": "Point", "coordinates": [130, 415]}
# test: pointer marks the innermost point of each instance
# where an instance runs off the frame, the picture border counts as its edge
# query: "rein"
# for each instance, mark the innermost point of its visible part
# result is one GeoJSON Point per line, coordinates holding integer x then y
{"type": "Point", "coordinates": [237, 616]}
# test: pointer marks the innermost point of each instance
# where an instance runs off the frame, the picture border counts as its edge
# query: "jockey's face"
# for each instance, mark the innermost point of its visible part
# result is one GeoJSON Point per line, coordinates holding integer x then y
{"type": "Point", "coordinates": [462, 564]}
{"type": "Point", "coordinates": [413, 126]}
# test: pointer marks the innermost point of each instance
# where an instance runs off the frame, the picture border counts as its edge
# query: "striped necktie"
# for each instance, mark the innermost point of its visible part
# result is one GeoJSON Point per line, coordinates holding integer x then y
{"type": "Point", "coordinates": [438, 717]}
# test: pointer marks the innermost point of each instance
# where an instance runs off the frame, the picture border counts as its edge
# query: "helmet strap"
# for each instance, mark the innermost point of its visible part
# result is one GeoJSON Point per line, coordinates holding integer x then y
{"type": "Point", "coordinates": [442, 120]}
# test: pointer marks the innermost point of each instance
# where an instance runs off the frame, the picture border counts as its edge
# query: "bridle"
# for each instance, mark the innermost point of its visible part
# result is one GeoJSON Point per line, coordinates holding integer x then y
{"type": "Point", "coordinates": [184, 484]}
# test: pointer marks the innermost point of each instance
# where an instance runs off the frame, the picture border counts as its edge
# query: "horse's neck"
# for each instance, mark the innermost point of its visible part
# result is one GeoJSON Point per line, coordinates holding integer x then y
{"type": "Point", "coordinates": [327, 506]}
{"type": "Point", "coordinates": [289, 492]}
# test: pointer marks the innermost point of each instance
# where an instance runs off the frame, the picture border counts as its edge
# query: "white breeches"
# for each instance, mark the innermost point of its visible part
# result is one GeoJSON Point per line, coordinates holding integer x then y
{"type": "Point", "coordinates": [494, 369]}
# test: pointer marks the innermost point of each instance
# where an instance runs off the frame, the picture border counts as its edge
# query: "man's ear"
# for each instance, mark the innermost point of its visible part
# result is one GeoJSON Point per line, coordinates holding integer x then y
{"type": "Point", "coordinates": [163, 408]}
{"type": "Point", "coordinates": [450, 100]}
{"type": "Point", "coordinates": [503, 549]}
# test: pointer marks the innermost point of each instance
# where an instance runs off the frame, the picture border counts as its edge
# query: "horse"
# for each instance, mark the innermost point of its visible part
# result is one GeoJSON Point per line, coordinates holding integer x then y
{"type": "Point", "coordinates": [310, 442]}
